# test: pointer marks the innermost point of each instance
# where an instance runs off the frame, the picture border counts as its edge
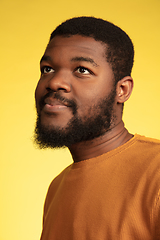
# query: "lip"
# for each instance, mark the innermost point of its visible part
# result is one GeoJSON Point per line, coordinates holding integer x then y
{"type": "Point", "coordinates": [53, 105]}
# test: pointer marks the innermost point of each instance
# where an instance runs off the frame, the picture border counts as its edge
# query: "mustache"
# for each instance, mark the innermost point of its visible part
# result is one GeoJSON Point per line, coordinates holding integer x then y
{"type": "Point", "coordinates": [56, 95]}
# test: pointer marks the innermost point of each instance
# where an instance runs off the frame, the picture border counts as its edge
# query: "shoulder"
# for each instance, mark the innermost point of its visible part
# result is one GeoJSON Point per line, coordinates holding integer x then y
{"type": "Point", "coordinates": [147, 140]}
{"type": "Point", "coordinates": [147, 152]}
{"type": "Point", "coordinates": [54, 186]}
{"type": "Point", "coordinates": [57, 180]}
{"type": "Point", "coordinates": [149, 147]}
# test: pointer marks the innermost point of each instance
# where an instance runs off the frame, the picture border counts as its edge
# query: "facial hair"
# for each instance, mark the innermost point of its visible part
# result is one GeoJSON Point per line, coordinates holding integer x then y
{"type": "Point", "coordinates": [78, 129]}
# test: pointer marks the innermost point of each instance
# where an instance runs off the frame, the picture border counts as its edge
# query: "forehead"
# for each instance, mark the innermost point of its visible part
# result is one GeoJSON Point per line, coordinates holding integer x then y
{"type": "Point", "coordinates": [77, 45]}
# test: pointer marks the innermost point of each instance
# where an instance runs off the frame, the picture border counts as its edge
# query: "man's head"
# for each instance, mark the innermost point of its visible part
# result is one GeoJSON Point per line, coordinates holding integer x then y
{"type": "Point", "coordinates": [119, 47]}
{"type": "Point", "coordinates": [84, 81]}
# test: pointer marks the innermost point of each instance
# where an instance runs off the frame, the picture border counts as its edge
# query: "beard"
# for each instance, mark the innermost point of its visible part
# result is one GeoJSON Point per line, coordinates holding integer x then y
{"type": "Point", "coordinates": [97, 123]}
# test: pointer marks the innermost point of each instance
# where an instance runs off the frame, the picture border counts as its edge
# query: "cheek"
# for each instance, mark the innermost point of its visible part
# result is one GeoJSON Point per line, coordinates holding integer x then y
{"type": "Point", "coordinates": [88, 102]}
{"type": "Point", "coordinates": [38, 94]}
{"type": "Point", "coordinates": [39, 89]}
{"type": "Point", "coordinates": [87, 105]}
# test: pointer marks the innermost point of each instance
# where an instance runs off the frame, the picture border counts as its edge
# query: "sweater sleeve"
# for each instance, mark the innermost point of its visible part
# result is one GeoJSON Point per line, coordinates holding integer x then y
{"type": "Point", "coordinates": [156, 215]}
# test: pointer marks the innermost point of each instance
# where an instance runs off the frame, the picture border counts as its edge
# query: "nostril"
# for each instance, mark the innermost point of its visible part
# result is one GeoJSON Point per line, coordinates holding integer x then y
{"type": "Point", "coordinates": [56, 90]}
{"type": "Point", "coordinates": [63, 89]}
{"type": "Point", "coordinates": [49, 89]}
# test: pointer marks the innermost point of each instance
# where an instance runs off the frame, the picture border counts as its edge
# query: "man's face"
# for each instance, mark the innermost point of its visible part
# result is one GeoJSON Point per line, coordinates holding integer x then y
{"type": "Point", "coordinates": [75, 95]}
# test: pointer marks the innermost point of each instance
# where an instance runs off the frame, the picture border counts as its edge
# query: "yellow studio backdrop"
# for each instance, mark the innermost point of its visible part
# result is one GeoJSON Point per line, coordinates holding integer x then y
{"type": "Point", "coordinates": [25, 172]}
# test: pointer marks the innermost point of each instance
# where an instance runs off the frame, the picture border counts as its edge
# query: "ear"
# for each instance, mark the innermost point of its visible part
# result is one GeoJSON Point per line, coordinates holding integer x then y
{"type": "Point", "coordinates": [124, 89]}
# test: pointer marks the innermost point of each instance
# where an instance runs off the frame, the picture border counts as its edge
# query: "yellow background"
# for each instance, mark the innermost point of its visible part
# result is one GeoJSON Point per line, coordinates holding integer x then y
{"type": "Point", "coordinates": [25, 172]}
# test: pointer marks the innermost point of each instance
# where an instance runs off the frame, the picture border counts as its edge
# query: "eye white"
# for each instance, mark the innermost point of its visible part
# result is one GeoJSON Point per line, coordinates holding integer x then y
{"type": "Point", "coordinates": [82, 70]}
{"type": "Point", "coordinates": [48, 70]}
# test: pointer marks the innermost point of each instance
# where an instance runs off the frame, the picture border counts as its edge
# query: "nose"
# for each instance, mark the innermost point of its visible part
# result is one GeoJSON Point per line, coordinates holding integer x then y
{"type": "Point", "coordinates": [59, 81]}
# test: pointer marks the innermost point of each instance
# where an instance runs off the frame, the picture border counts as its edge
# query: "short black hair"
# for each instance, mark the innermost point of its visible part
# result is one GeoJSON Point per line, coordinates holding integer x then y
{"type": "Point", "coordinates": [119, 47]}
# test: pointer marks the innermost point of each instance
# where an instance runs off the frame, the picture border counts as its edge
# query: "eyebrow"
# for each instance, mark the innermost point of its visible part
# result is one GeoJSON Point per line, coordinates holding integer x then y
{"type": "Point", "coordinates": [84, 59]}
{"type": "Point", "coordinates": [75, 59]}
{"type": "Point", "coordinates": [45, 58]}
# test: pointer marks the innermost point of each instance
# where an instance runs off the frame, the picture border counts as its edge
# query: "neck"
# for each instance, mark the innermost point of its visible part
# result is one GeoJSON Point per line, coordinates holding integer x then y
{"type": "Point", "coordinates": [112, 139]}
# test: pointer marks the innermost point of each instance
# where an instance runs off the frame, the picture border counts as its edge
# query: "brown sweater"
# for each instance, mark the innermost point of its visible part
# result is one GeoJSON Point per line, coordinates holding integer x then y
{"type": "Point", "coordinates": [111, 197]}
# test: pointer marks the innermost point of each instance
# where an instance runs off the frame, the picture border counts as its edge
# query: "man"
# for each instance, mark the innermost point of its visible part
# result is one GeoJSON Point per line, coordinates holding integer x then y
{"type": "Point", "coordinates": [111, 191]}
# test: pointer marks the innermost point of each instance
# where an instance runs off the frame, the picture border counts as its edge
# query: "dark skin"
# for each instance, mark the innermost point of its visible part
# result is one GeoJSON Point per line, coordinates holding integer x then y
{"type": "Point", "coordinates": [77, 68]}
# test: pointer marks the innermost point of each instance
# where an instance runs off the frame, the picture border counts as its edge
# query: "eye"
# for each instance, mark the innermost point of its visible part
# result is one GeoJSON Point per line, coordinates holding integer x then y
{"type": "Point", "coordinates": [47, 69]}
{"type": "Point", "coordinates": [82, 70]}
